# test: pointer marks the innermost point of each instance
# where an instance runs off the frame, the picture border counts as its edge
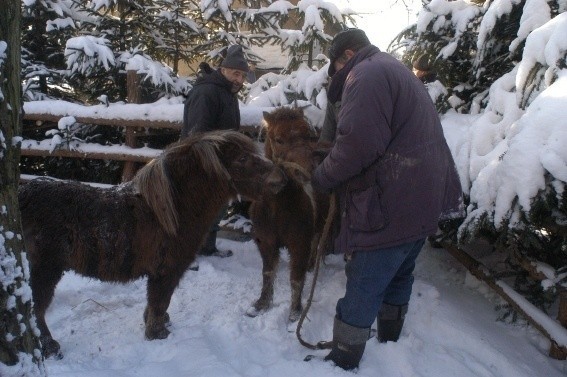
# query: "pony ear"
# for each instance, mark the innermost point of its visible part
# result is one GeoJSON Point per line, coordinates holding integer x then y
{"type": "Point", "coordinates": [266, 115]}
{"type": "Point", "coordinates": [300, 176]}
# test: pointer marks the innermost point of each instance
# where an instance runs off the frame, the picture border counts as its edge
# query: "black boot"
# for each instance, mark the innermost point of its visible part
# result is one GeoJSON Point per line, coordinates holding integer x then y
{"type": "Point", "coordinates": [348, 345]}
{"type": "Point", "coordinates": [390, 322]}
{"type": "Point", "coordinates": [210, 247]}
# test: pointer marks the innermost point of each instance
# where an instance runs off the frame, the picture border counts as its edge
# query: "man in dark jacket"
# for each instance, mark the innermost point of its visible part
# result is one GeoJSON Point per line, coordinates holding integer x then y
{"type": "Point", "coordinates": [212, 104]}
{"type": "Point", "coordinates": [394, 176]}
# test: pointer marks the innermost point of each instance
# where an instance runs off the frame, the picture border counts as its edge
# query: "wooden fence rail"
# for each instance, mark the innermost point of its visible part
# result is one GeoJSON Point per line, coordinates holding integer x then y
{"type": "Point", "coordinates": [551, 329]}
{"type": "Point", "coordinates": [87, 150]}
{"type": "Point", "coordinates": [147, 117]}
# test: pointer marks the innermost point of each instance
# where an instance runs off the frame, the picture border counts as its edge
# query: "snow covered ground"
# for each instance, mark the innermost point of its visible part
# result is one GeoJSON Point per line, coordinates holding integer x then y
{"type": "Point", "coordinates": [451, 328]}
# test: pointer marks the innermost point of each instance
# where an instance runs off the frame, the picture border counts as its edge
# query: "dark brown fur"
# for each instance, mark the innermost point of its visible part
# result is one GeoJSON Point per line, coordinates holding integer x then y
{"type": "Point", "coordinates": [292, 218]}
{"type": "Point", "coordinates": [151, 226]}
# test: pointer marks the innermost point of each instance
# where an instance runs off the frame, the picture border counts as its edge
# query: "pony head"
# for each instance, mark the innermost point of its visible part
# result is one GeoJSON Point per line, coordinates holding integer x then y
{"type": "Point", "coordinates": [287, 128]}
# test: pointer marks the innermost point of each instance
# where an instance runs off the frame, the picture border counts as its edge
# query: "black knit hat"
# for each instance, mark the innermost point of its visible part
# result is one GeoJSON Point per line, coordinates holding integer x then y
{"type": "Point", "coordinates": [350, 39]}
{"type": "Point", "coordinates": [235, 59]}
{"type": "Point", "coordinates": [422, 63]}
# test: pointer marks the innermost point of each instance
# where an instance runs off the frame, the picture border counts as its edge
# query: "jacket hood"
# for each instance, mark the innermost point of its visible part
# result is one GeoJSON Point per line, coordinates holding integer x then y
{"type": "Point", "coordinates": [208, 75]}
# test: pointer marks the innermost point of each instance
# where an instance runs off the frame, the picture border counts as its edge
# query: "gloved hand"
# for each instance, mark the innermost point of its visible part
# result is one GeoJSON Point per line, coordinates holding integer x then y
{"type": "Point", "coordinates": [316, 179]}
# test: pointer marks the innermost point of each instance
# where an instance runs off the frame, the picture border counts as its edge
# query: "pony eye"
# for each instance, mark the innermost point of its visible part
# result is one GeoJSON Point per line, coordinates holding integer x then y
{"type": "Point", "coordinates": [279, 141]}
{"type": "Point", "coordinates": [243, 159]}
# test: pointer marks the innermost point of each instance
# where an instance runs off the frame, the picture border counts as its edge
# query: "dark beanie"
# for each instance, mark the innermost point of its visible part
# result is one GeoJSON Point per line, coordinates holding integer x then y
{"type": "Point", "coordinates": [350, 39]}
{"type": "Point", "coordinates": [422, 63]}
{"type": "Point", "coordinates": [235, 59]}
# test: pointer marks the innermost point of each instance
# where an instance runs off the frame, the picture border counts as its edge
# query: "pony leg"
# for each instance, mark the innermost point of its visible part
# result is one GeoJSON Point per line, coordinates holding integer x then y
{"type": "Point", "coordinates": [43, 280]}
{"type": "Point", "coordinates": [270, 260]}
{"type": "Point", "coordinates": [160, 289]}
{"type": "Point", "coordinates": [299, 263]}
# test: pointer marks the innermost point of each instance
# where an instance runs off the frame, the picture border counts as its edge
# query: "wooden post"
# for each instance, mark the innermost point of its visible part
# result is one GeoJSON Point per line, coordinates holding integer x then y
{"type": "Point", "coordinates": [555, 351]}
{"type": "Point", "coordinates": [134, 96]}
{"type": "Point", "coordinates": [562, 315]}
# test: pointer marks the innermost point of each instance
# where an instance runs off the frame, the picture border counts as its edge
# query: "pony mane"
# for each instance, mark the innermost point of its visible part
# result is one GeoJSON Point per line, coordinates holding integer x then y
{"type": "Point", "coordinates": [154, 183]}
{"type": "Point", "coordinates": [285, 114]}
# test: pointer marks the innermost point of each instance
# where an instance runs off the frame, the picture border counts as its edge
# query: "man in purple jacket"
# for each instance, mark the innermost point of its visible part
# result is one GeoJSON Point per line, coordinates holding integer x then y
{"type": "Point", "coordinates": [395, 179]}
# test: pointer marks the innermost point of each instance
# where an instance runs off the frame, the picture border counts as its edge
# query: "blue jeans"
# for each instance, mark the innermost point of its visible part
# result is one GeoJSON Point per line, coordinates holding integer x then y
{"type": "Point", "coordinates": [376, 276]}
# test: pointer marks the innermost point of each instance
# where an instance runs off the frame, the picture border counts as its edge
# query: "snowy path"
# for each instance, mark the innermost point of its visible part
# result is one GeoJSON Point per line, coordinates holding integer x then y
{"type": "Point", "coordinates": [451, 329]}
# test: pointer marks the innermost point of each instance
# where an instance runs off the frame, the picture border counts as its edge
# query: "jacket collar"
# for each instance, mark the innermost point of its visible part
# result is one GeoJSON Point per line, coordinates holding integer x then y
{"type": "Point", "coordinates": [335, 91]}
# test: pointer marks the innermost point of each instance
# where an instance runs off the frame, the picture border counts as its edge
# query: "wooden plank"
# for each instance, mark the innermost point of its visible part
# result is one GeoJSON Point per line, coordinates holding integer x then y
{"type": "Point", "coordinates": [249, 130]}
{"type": "Point", "coordinates": [89, 150]}
{"type": "Point", "coordinates": [558, 349]}
{"type": "Point", "coordinates": [89, 155]}
{"type": "Point", "coordinates": [107, 122]}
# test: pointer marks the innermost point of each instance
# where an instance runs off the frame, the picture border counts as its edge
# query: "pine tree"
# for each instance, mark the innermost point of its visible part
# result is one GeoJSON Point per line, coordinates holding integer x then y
{"type": "Point", "coordinates": [43, 63]}
{"type": "Point", "coordinates": [451, 43]}
{"type": "Point", "coordinates": [177, 34]}
{"type": "Point", "coordinates": [319, 20]}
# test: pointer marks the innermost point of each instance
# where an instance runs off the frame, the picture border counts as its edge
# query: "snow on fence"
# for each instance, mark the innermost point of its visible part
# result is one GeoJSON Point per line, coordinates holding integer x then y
{"type": "Point", "coordinates": [133, 117]}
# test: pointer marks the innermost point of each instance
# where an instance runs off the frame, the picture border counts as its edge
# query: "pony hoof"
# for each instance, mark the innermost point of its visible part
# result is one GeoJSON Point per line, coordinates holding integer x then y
{"type": "Point", "coordinates": [291, 327]}
{"type": "Point", "coordinates": [253, 312]}
{"type": "Point", "coordinates": [294, 316]}
{"type": "Point", "coordinates": [51, 348]}
{"type": "Point", "coordinates": [157, 334]}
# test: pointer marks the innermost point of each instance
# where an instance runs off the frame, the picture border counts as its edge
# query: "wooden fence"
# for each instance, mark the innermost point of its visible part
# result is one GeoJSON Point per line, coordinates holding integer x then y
{"type": "Point", "coordinates": [102, 116]}
{"type": "Point", "coordinates": [149, 116]}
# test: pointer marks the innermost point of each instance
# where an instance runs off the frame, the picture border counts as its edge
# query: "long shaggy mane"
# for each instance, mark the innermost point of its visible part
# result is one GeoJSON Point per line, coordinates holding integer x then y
{"type": "Point", "coordinates": [205, 150]}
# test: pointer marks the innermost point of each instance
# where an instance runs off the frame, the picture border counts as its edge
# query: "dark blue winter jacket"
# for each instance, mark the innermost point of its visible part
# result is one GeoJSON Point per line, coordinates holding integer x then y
{"type": "Point", "coordinates": [390, 164]}
{"type": "Point", "coordinates": [210, 105]}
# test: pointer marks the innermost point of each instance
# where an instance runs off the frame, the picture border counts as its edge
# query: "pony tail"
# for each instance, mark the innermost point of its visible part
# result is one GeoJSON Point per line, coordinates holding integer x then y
{"type": "Point", "coordinates": [154, 185]}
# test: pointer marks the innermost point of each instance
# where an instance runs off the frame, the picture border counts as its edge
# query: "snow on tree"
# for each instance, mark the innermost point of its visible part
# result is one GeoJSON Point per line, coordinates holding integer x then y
{"type": "Point", "coordinates": [85, 54]}
{"type": "Point", "coordinates": [513, 186]}
{"type": "Point", "coordinates": [304, 87]}
{"type": "Point", "coordinates": [447, 32]}
{"type": "Point", "coordinates": [44, 25]}
{"type": "Point", "coordinates": [177, 33]}
{"type": "Point", "coordinates": [318, 18]}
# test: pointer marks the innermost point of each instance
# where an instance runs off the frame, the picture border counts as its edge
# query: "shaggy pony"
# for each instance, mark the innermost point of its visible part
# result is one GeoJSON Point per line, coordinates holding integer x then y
{"type": "Point", "coordinates": [294, 217]}
{"type": "Point", "coordinates": [149, 227]}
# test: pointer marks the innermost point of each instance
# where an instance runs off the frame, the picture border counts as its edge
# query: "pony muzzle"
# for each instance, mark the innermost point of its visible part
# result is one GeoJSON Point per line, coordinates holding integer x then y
{"type": "Point", "coordinates": [276, 180]}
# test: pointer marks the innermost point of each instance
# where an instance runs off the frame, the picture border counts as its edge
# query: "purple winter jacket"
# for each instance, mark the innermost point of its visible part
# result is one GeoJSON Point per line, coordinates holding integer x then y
{"type": "Point", "coordinates": [390, 165]}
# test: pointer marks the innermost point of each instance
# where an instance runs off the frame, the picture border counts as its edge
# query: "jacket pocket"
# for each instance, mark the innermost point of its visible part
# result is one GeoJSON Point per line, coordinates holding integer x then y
{"type": "Point", "coordinates": [365, 210]}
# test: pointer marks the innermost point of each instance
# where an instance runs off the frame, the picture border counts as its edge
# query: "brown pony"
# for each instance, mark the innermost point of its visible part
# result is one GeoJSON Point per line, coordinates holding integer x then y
{"type": "Point", "coordinates": [293, 217]}
{"type": "Point", "coordinates": [151, 226]}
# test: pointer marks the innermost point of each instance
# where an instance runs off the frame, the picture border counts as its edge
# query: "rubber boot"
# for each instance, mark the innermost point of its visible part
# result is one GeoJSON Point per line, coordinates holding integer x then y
{"type": "Point", "coordinates": [348, 345]}
{"type": "Point", "coordinates": [390, 322]}
{"type": "Point", "coordinates": [210, 247]}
